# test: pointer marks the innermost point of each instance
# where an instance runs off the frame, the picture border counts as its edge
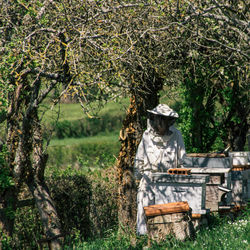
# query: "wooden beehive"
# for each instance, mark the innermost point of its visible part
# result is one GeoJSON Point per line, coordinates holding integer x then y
{"type": "Point", "coordinates": [169, 219]}
{"type": "Point", "coordinates": [218, 186]}
{"type": "Point", "coordinates": [218, 168]}
{"type": "Point", "coordinates": [169, 208]}
{"type": "Point", "coordinates": [170, 188]}
{"type": "Point", "coordinates": [240, 177]}
{"type": "Point", "coordinates": [212, 160]}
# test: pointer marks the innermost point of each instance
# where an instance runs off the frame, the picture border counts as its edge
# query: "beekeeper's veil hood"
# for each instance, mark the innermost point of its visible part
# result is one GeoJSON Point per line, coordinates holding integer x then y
{"type": "Point", "coordinates": [165, 110]}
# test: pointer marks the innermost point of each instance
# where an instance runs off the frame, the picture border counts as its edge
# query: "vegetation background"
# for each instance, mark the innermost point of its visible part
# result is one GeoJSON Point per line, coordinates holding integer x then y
{"type": "Point", "coordinates": [81, 175]}
{"type": "Point", "coordinates": [67, 171]}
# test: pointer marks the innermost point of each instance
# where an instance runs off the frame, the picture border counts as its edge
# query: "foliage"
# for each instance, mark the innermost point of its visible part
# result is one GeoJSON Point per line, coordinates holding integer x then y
{"type": "Point", "coordinates": [221, 234]}
{"type": "Point", "coordinates": [39, 52]}
{"type": "Point", "coordinates": [95, 50]}
{"type": "Point", "coordinates": [210, 62]}
{"type": "Point", "coordinates": [86, 204]}
{"type": "Point", "coordinates": [72, 193]}
{"type": "Point", "coordinates": [5, 177]}
{"type": "Point", "coordinates": [93, 151]}
{"type": "Point", "coordinates": [28, 228]}
{"type": "Point", "coordinates": [85, 127]}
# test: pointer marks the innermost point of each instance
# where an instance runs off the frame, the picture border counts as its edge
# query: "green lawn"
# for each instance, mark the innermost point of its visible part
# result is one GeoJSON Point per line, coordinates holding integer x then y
{"type": "Point", "coordinates": [222, 234]}
{"type": "Point", "coordinates": [74, 111]}
{"type": "Point", "coordinates": [111, 137]}
{"type": "Point", "coordinates": [93, 151]}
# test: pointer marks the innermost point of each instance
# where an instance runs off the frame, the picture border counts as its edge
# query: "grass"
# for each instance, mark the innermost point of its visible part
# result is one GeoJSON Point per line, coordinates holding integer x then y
{"type": "Point", "coordinates": [74, 111]}
{"type": "Point", "coordinates": [222, 234]}
{"type": "Point", "coordinates": [85, 142]}
{"type": "Point", "coordinates": [111, 137]}
{"type": "Point", "coordinates": [100, 150]}
{"type": "Point", "coordinates": [74, 123]}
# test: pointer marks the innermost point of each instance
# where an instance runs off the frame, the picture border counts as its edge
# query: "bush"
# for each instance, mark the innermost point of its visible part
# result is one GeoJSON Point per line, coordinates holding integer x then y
{"type": "Point", "coordinates": [72, 197]}
{"type": "Point", "coordinates": [85, 202]}
{"type": "Point", "coordinates": [28, 229]}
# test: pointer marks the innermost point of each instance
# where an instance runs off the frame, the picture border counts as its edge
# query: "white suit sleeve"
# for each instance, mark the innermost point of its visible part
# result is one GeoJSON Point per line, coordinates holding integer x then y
{"type": "Point", "coordinates": [181, 151]}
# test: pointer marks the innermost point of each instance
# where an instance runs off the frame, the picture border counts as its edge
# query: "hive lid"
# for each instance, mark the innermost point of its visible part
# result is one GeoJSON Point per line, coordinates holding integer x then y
{"type": "Point", "coordinates": [207, 155]}
{"type": "Point", "coordinates": [173, 178]}
{"type": "Point", "coordinates": [168, 208]}
{"type": "Point", "coordinates": [210, 170]}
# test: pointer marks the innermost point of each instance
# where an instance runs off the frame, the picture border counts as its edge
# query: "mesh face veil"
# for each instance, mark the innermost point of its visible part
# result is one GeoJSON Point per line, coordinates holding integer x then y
{"type": "Point", "coordinates": [160, 124]}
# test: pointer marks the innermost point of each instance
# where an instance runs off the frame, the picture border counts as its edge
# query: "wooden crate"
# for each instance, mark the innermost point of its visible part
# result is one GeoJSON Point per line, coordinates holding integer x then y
{"type": "Point", "coordinates": [240, 185]}
{"type": "Point", "coordinates": [169, 208]}
{"type": "Point", "coordinates": [207, 160]}
{"type": "Point", "coordinates": [240, 177]}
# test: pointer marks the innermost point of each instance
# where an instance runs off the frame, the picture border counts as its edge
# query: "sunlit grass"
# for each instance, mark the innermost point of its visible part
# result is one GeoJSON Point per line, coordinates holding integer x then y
{"type": "Point", "coordinates": [100, 138]}
{"type": "Point", "coordinates": [74, 111]}
{"type": "Point", "coordinates": [221, 235]}
{"type": "Point", "coordinates": [101, 149]}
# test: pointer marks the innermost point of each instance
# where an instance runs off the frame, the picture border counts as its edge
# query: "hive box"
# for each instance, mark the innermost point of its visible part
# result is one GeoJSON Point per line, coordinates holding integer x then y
{"type": "Point", "coordinates": [169, 219]}
{"type": "Point", "coordinates": [176, 188]}
{"type": "Point", "coordinates": [240, 158]}
{"type": "Point", "coordinates": [200, 162]}
{"type": "Point", "coordinates": [218, 189]}
{"type": "Point", "coordinates": [240, 177]}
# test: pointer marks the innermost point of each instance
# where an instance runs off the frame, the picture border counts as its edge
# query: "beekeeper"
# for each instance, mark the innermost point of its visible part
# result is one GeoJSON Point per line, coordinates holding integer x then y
{"type": "Point", "coordinates": [161, 148]}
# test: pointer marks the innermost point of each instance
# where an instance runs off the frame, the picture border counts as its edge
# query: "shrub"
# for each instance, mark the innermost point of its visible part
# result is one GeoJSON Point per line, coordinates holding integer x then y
{"type": "Point", "coordinates": [83, 127]}
{"type": "Point", "coordinates": [85, 202]}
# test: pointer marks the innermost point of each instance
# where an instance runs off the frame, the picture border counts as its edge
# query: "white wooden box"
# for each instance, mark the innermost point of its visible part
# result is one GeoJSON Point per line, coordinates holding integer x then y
{"type": "Point", "coordinates": [240, 158]}
{"type": "Point", "coordinates": [209, 162]}
{"type": "Point", "coordinates": [173, 188]}
{"type": "Point", "coordinates": [240, 177]}
{"type": "Point", "coordinates": [218, 189]}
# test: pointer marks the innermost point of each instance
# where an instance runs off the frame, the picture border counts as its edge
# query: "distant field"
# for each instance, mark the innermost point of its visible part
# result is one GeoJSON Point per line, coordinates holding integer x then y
{"type": "Point", "coordinates": [74, 111]}
{"type": "Point", "coordinates": [97, 151]}
{"type": "Point", "coordinates": [112, 137]}
{"type": "Point", "coordinates": [81, 141]}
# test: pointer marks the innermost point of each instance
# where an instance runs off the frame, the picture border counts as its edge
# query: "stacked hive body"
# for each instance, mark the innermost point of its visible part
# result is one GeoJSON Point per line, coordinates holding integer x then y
{"type": "Point", "coordinates": [176, 188]}
{"type": "Point", "coordinates": [218, 168]}
{"type": "Point", "coordinates": [169, 219]}
{"type": "Point", "coordinates": [217, 188]}
{"type": "Point", "coordinates": [209, 182]}
{"type": "Point", "coordinates": [240, 177]}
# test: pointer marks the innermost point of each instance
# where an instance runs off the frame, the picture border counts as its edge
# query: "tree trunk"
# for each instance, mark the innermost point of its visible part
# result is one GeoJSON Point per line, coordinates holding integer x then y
{"type": "Point", "coordinates": [237, 122]}
{"type": "Point", "coordinates": [48, 214]}
{"type": "Point", "coordinates": [9, 195]}
{"type": "Point", "coordinates": [130, 136]}
{"type": "Point", "coordinates": [8, 201]}
{"type": "Point", "coordinates": [238, 135]}
{"type": "Point", "coordinates": [127, 188]}
{"type": "Point", "coordinates": [25, 142]}
{"type": "Point", "coordinates": [37, 186]}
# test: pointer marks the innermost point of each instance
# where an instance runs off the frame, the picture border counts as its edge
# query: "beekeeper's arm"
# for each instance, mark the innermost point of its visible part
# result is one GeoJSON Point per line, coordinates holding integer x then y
{"type": "Point", "coordinates": [181, 151]}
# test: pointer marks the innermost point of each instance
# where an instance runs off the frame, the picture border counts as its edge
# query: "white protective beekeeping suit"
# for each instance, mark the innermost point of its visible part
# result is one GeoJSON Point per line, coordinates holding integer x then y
{"type": "Point", "coordinates": [155, 154]}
